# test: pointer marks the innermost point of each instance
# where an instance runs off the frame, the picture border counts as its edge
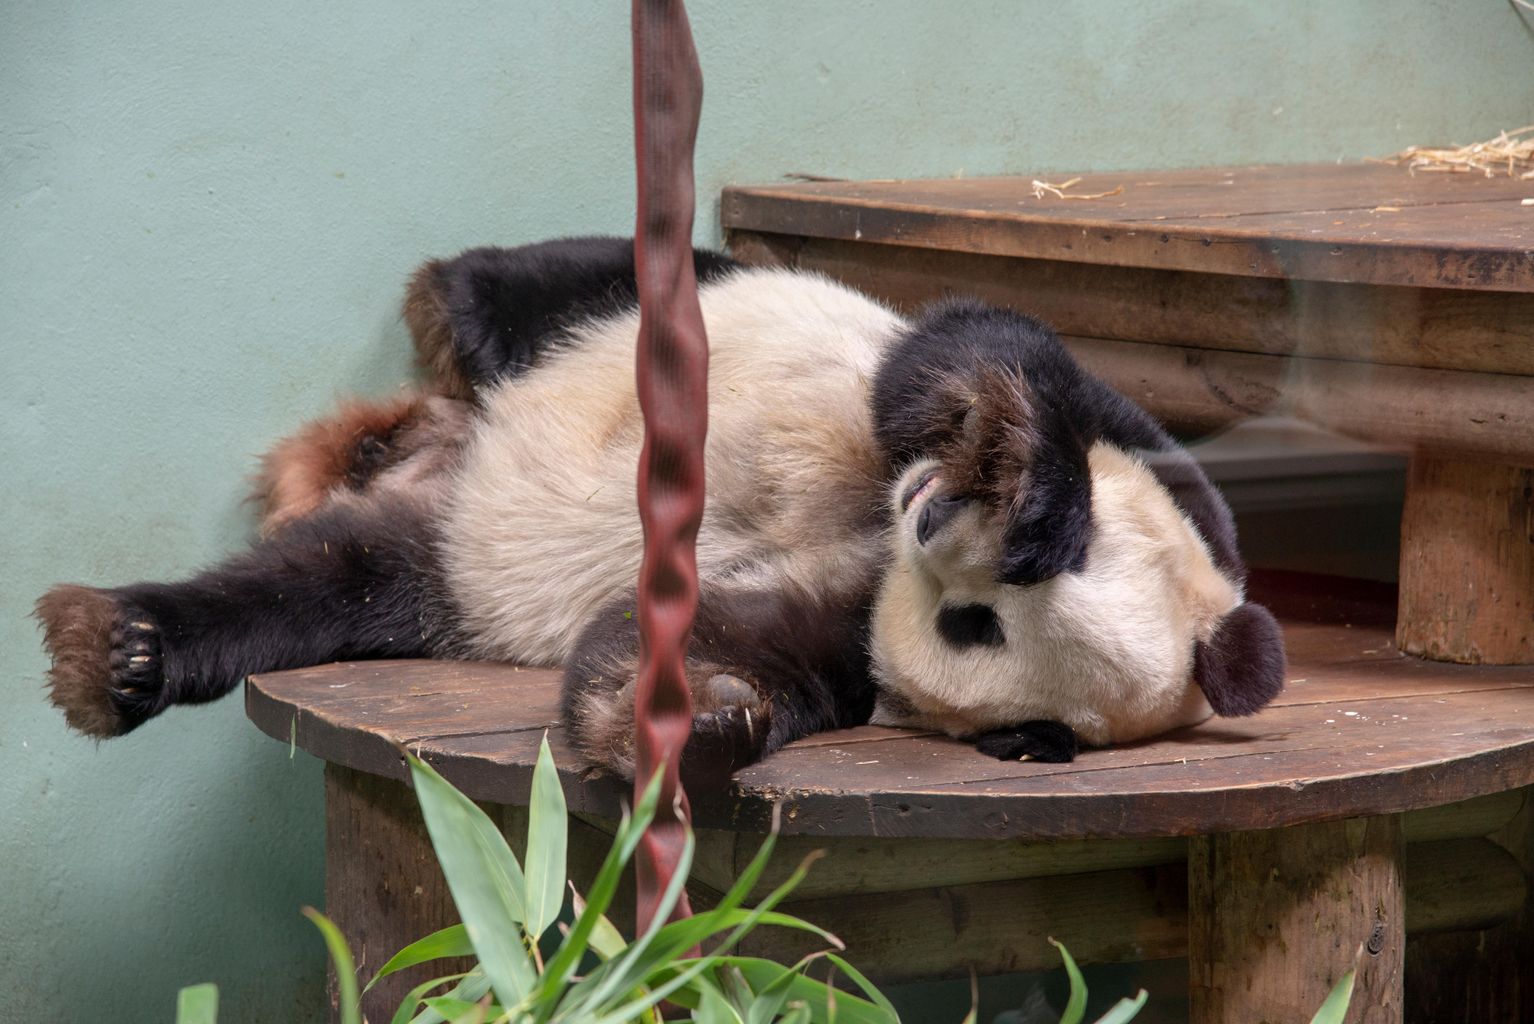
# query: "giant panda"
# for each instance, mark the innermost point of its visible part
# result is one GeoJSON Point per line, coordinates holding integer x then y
{"type": "Point", "coordinates": [937, 521]}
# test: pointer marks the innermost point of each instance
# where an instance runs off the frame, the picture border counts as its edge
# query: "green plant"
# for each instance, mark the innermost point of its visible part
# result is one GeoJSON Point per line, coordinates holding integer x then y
{"type": "Point", "coordinates": [591, 974]}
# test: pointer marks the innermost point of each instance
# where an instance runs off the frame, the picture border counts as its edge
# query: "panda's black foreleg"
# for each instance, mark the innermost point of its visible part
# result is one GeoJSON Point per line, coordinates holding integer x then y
{"type": "Point", "coordinates": [344, 583]}
{"type": "Point", "coordinates": [998, 398]}
{"type": "Point", "coordinates": [766, 667]}
{"type": "Point", "coordinates": [1038, 740]}
{"type": "Point", "coordinates": [489, 313]}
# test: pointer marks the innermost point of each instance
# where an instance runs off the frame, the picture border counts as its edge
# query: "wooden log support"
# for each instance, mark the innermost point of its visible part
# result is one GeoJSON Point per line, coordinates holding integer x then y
{"type": "Point", "coordinates": [383, 887]}
{"type": "Point", "coordinates": [1467, 562]}
{"type": "Point", "coordinates": [1276, 917]}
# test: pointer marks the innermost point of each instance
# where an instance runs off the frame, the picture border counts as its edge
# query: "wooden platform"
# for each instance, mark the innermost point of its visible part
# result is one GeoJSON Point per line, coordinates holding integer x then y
{"type": "Point", "coordinates": [941, 860]}
{"type": "Point", "coordinates": [1355, 223]}
{"type": "Point", "coordinates": [1359, 730]}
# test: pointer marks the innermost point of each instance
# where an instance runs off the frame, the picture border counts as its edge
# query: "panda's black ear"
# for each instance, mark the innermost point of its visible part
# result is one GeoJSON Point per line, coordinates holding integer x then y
{"type": "Point", "coordinates": [1241, 668]}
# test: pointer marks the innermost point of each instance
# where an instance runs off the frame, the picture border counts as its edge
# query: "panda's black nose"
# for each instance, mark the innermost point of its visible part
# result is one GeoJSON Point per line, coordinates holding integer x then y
{"type": "Point", "coordinates": [935, 515]}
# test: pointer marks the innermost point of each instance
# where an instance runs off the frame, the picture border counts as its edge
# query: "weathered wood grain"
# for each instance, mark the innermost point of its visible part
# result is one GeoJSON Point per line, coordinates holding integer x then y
{"type": "Point", "coordinates": [1467, 560]}
{"type": "Point", "coordinates": [1359, 730]}
{"type": "Point", "coordinates": [1485, 415]}
{"type": "Point", "coordinates": [383, 887]}
{"type": "Point", "coordinates": [1358, 224]}
{"type": "Point", "coordinates": [1276, 917]}
{"type": "Point", "coordinates": [1438, 328]}
{"type": "Point", "coordinates": [1135, 913]}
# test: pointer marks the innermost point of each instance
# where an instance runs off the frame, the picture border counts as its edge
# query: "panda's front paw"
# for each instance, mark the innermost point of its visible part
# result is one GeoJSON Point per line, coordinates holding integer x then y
{"type": "Point", "coordinates": [107, 675]}
{"type": "Point", "coordinates": [1039, 740]}
{"type": "Point", "coordinates": [1038, 563]}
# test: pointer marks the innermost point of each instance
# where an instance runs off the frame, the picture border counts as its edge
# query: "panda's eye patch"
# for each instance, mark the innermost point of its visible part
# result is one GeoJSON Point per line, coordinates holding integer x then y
{"type": "Point", "coordinates": [970, 625]}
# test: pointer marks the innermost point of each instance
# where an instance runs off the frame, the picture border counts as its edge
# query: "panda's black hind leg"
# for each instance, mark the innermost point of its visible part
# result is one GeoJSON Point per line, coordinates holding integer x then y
{"type": "Point", "coordinates": [491, 312]}
{"type": "Point", "coordinates": [1038, 740]}
{"type": "Point", "coordinates": [766, 667]}
{"type": "Point", "coordinates": [341, 584]}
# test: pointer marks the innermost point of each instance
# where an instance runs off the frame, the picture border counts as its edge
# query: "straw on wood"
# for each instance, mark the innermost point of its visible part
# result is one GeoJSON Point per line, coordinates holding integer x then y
{"type": "Point", "coordinates": [1510, 153]}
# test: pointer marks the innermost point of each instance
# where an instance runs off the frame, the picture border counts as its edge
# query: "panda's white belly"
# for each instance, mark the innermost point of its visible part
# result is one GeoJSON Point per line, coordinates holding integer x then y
{"type": "Point", "coordinates": [542, 529]}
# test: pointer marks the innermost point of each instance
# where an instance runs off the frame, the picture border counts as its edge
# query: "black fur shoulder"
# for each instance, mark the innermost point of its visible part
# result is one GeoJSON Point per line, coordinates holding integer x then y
{"type": "Point", "coordinates": [489, 312]}
{"type": "Point", "coordinates": [997, 395]}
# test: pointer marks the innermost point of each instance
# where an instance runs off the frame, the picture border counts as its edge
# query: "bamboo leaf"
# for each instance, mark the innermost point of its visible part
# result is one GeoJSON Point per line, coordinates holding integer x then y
{"type": "Point", "coordinates": [655, 993]}
{"type": "Point", "coordinates": [627, 971]}
{"type": "Point", "coordinates": [1076, 1005]}
{"type": "Point", "coordinates": [713, 1008]}
{"type": "Point", "coordinates": [472, 989]}
{"type": "Point", "coordinates": [1335, 1007]}
{"type": "Point", "coordinates": [454, 1009]}
{"type": "Point", "coordinates": [197, 1004]}
{"type": "Point", "coordinates": [450, 941]}
{"type": "Point", "coordinates": [568, 957]}
{"type": "Point", "coordinates": [1124, 1010]}
{"type": "Point", "coordinates": [606, 941]}
{"type": "Point", "coordinates": [764, 1009]}
{"type": "Point", "coordinates": [868, 987]}
{"type": "Point", "coordinates": [760, 974]}
{"type": "Point", "coordinates": [547, 836]}
{"type": "Point", "coordinates": [485, 879]}
{"type": "Point", "coordinates": [346, 970]}
{"type": "Point", "coordinates": [800, 1013]}
{"type": "Point", "coordinates": [417, 995]}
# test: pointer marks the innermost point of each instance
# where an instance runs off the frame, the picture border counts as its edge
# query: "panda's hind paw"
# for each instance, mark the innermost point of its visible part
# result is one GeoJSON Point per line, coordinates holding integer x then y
{"type": "Point", "coordinates": [1040, 740]}
{"type": "Point", "coordinates": [729, 731]}
{"type": "Point", "coordinates": [106, 674]}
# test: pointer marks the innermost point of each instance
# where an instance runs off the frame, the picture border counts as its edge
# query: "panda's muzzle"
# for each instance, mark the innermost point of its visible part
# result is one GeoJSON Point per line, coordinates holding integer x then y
{"type": "Point", "coordinates": [936, 514]}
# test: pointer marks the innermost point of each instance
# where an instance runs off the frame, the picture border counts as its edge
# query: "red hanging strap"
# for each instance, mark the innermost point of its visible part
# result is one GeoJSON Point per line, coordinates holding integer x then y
{"type": "Point", "coordinates": [673, 394]}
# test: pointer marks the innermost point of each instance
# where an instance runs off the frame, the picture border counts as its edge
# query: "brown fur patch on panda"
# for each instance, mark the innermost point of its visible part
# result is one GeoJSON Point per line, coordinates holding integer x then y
{"type": "Point", "coordinates": [351, 449]}
{"type": "Point", "coordinates": [991, 453]}
{"type": "Point", "coordinates": [426, 315]}
{"type": "Point", "coordinates": [79, 624]}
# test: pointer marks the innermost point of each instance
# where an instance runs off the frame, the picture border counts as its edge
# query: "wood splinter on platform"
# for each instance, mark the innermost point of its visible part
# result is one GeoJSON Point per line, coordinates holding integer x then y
{"type": "Point", "coordinates": [1044, 188]}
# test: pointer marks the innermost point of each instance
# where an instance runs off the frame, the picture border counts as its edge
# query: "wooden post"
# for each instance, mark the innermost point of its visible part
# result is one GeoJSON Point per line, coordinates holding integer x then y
{"type": "Point", "coordinates": [1467, 562]}
{"type": "Point", "coordinates": [1276, 917]}
{"type": "Point", "coordinates": [383, 887]}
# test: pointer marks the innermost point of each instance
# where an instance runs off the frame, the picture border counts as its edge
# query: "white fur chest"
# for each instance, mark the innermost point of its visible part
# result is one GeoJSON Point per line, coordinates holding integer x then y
{"type": "Point", "coordinates": [542, 529]}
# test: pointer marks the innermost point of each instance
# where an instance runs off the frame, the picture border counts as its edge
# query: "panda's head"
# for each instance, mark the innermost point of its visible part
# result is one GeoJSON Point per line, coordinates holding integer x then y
{"type": "Point", "coordinates": [1038, 575]}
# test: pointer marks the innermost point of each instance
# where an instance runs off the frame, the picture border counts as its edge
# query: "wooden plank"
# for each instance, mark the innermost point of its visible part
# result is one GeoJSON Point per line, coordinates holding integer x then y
{"type": "Point", "coordinates": [870, 865]}
{"type": "Point", "coordinates": [1296, 768]}
{"type": "Point", "coordinates": [1308, 222]}
{"type": "Point", "coordinates": [1180, 194]}
{"type": "Point", "coordinates": [1467, 561]}
{"type": "Point", "coordinates": [1431, 327]}
{"type": "Point", "coordinates": [1469, 977]}
{"type": "Point", "coordinates": [383, 887]}
{"type": "Point", "coordinates": [1103, 916]}
{"type": "Point", "coordinates": [1276, 917]}
{"type": "Point", "coordinates": [1479, 415]}
{"type": "Point", "coordinates": [359, 713]}
{"type": "Point", "coordinates": [1419, 733]}
{"type": "Point", "coordinates": [1331, 734]}
{"type": "Point", "coordinates": [1462, 884]}
{"type": "Point", "coordinates": [998, 927]}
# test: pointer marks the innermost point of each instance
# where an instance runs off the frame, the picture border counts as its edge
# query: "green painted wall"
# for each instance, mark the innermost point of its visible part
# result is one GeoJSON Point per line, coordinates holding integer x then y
{"type": "Point", "coordinates": [207, 210]}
